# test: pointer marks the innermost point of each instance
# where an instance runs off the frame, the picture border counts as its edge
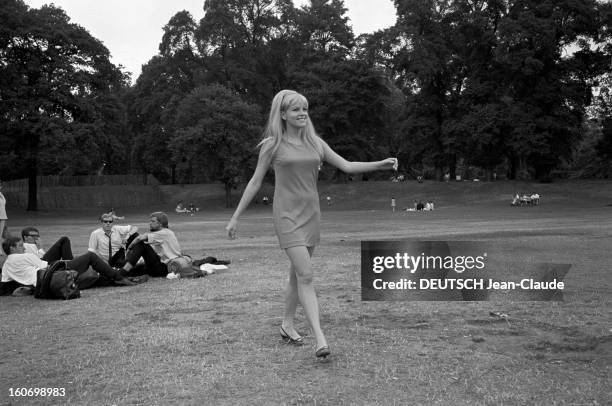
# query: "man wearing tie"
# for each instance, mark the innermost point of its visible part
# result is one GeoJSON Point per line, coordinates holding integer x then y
{"type": "Point", "coordinates": [109, 240]}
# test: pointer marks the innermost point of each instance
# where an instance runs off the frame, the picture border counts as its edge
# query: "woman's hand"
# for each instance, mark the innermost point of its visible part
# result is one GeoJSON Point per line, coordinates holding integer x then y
{"type": "Point", "coordinates": [231, 229]}
{"type": "Point", "coordinates": [389, 163]}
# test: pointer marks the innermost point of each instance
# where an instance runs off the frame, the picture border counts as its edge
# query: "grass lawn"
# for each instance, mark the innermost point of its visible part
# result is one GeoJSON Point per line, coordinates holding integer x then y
{"type": "Point", "coordinates": [215, 340]}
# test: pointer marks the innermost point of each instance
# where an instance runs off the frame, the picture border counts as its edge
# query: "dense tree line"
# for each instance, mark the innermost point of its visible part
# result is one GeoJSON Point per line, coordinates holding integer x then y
{"type": "Point", "coordinates": [493, 82]}
{"type": "Point", "coordinates": [60, 97]}
{"type": "Point", "coordinates": [500, 85]}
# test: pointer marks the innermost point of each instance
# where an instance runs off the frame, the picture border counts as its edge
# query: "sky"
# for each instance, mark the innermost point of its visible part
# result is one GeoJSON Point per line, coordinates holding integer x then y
{"type": "Point", "coordinates": [132, 29]}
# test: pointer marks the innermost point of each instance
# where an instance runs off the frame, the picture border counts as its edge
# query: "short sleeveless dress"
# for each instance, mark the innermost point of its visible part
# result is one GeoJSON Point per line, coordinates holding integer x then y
{"type": "Point", "coordinates": [296, 209]}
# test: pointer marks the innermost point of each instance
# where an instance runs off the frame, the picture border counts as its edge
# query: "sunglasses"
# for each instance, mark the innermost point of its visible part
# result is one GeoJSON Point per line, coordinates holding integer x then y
{"type": "Point", "coordinates": [107, 221]}
{"type": "Point", "coordinates": [34, 235]}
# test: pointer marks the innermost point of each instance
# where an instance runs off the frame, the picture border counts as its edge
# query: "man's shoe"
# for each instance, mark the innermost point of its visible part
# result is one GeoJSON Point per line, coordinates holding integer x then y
{"type": "Point", "coordinates": [139, 279]}
{"type": "Point", "coordinates": [124, 282]}
{"type": "Point", "coordinates": [23, 291]}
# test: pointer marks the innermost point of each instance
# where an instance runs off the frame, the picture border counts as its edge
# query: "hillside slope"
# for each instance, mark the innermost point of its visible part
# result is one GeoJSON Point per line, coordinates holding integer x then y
{"type": "Point", "coordinates": [377, 195]}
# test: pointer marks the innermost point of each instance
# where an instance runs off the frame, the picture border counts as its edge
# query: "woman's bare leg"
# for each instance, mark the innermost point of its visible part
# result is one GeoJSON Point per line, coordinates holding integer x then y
{"type": "Point", "coordinates": [291, 300]}
{"type": "Point", "coordinates": [300, 262]}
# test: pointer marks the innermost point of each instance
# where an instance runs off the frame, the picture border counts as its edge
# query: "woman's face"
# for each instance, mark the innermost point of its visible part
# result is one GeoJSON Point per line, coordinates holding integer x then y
{"type": "Point", "coordinates": [296, 114]}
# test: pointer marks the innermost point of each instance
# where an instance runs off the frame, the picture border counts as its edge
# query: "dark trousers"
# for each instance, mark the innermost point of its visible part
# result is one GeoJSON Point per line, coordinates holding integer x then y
{"type": "Point", "coordinates": [119, 259]}
{"type": "Point", "coordinates": [7, 288]}
{"type": "Point", "coordinates": [83, 262]}
{"type": "Point", "coordinates": [153, 264]}
{"type": "Point", "coordinates": [60, 250]}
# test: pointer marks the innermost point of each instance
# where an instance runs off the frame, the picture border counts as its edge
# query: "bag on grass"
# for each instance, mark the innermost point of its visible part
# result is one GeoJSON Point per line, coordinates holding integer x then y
{"type": "Point", "coordinates": [57, 282]}
{"type": "Point", "coordinates": [211, 260]}
{"type": "Point", "coordinates": [184, 267]}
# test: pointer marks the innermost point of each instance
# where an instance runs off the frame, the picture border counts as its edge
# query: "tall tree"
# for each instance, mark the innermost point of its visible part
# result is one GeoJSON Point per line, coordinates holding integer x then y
{"type": "Point", "coordinates": [234, 37]}
{"type": "Point", "coordinates": [601, 112]}
{"type": "Point", "coordinates": [324, 30]}
{"type": "Point", "coordinates": [179, 35]}
{"type": "Point", "coordinates": [165, 80]}
{"type": "Point", "coordinates": [53, 78]}
{"type": "Point", "coordinates": [545, 83]}
{"type": "Point", "coordinates": [430, 72]}
{"type": "Point", "coordinates": [216, 132]}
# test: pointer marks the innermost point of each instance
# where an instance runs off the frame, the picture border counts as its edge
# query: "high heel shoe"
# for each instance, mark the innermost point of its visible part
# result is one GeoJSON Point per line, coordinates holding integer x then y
{"type": "Point", "coordinates": [299, 340]}
{"type": "Point", "coordinates": [323, 352]}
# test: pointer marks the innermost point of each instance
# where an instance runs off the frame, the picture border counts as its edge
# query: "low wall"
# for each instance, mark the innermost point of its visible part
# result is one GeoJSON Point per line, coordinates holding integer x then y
{"type": "Point", "coordinates": [104, 196]}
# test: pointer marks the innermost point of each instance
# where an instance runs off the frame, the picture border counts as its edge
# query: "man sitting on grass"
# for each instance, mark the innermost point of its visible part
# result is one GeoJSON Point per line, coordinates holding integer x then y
{"type": "Point", "coordinates": [108, 241]}
{"type": "Point", "coordinates": [21, 268]}
{"type": "Point", "coordinates": [32, 244]}
{"type": "Point", "coordinates": [156, 247]}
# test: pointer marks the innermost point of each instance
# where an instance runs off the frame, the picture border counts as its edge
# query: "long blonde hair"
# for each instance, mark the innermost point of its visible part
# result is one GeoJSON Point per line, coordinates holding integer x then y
{"type": "Point", "coordinates": [276, 126]}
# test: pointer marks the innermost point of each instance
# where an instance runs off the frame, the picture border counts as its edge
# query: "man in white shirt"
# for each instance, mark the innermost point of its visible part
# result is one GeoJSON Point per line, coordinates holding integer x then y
{"type": "Point", "coordinates": [22, 267]}
{"type": "Point", "coordinates": [156, 247]}
{"type": "Point", "coordinates": [32, 244]}
{"type": "Point", "coordinates": [109, 240]}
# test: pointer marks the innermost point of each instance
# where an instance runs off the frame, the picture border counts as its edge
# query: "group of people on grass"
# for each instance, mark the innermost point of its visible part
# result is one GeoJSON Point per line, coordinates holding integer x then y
{"type": "Point", "coordinates": [117, 255]}
{"type": "Point", "coordinates": [181, 209]}
{"type": "Point", "coordinates": [525, 199]}
{"type": "Point", "coordinates": [420, 206]}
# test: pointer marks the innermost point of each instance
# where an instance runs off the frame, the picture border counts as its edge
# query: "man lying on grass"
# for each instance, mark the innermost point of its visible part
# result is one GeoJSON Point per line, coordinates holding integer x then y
{"type": "Point", "coordinates": [21, 268]}
{"type": "Point", "coordinates": [32, 243]}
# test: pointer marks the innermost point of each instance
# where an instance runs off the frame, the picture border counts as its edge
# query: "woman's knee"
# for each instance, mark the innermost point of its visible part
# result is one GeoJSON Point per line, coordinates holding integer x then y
{"type": "Point", "coordinates": [305, 278]}
{"type": "Point", "coordinates": [300, 264]}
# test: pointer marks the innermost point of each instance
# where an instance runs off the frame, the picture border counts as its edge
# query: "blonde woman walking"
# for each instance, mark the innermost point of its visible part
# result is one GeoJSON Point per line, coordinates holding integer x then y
{"type": "Point", "coordinates": [292, 148]}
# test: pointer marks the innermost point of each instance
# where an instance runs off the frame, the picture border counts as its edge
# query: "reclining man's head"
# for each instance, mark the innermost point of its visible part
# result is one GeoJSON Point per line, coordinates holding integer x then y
{"type": "Point", "coordinates": [13, 245]}
{"type": "Point", "coordinates": [30, 235]}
